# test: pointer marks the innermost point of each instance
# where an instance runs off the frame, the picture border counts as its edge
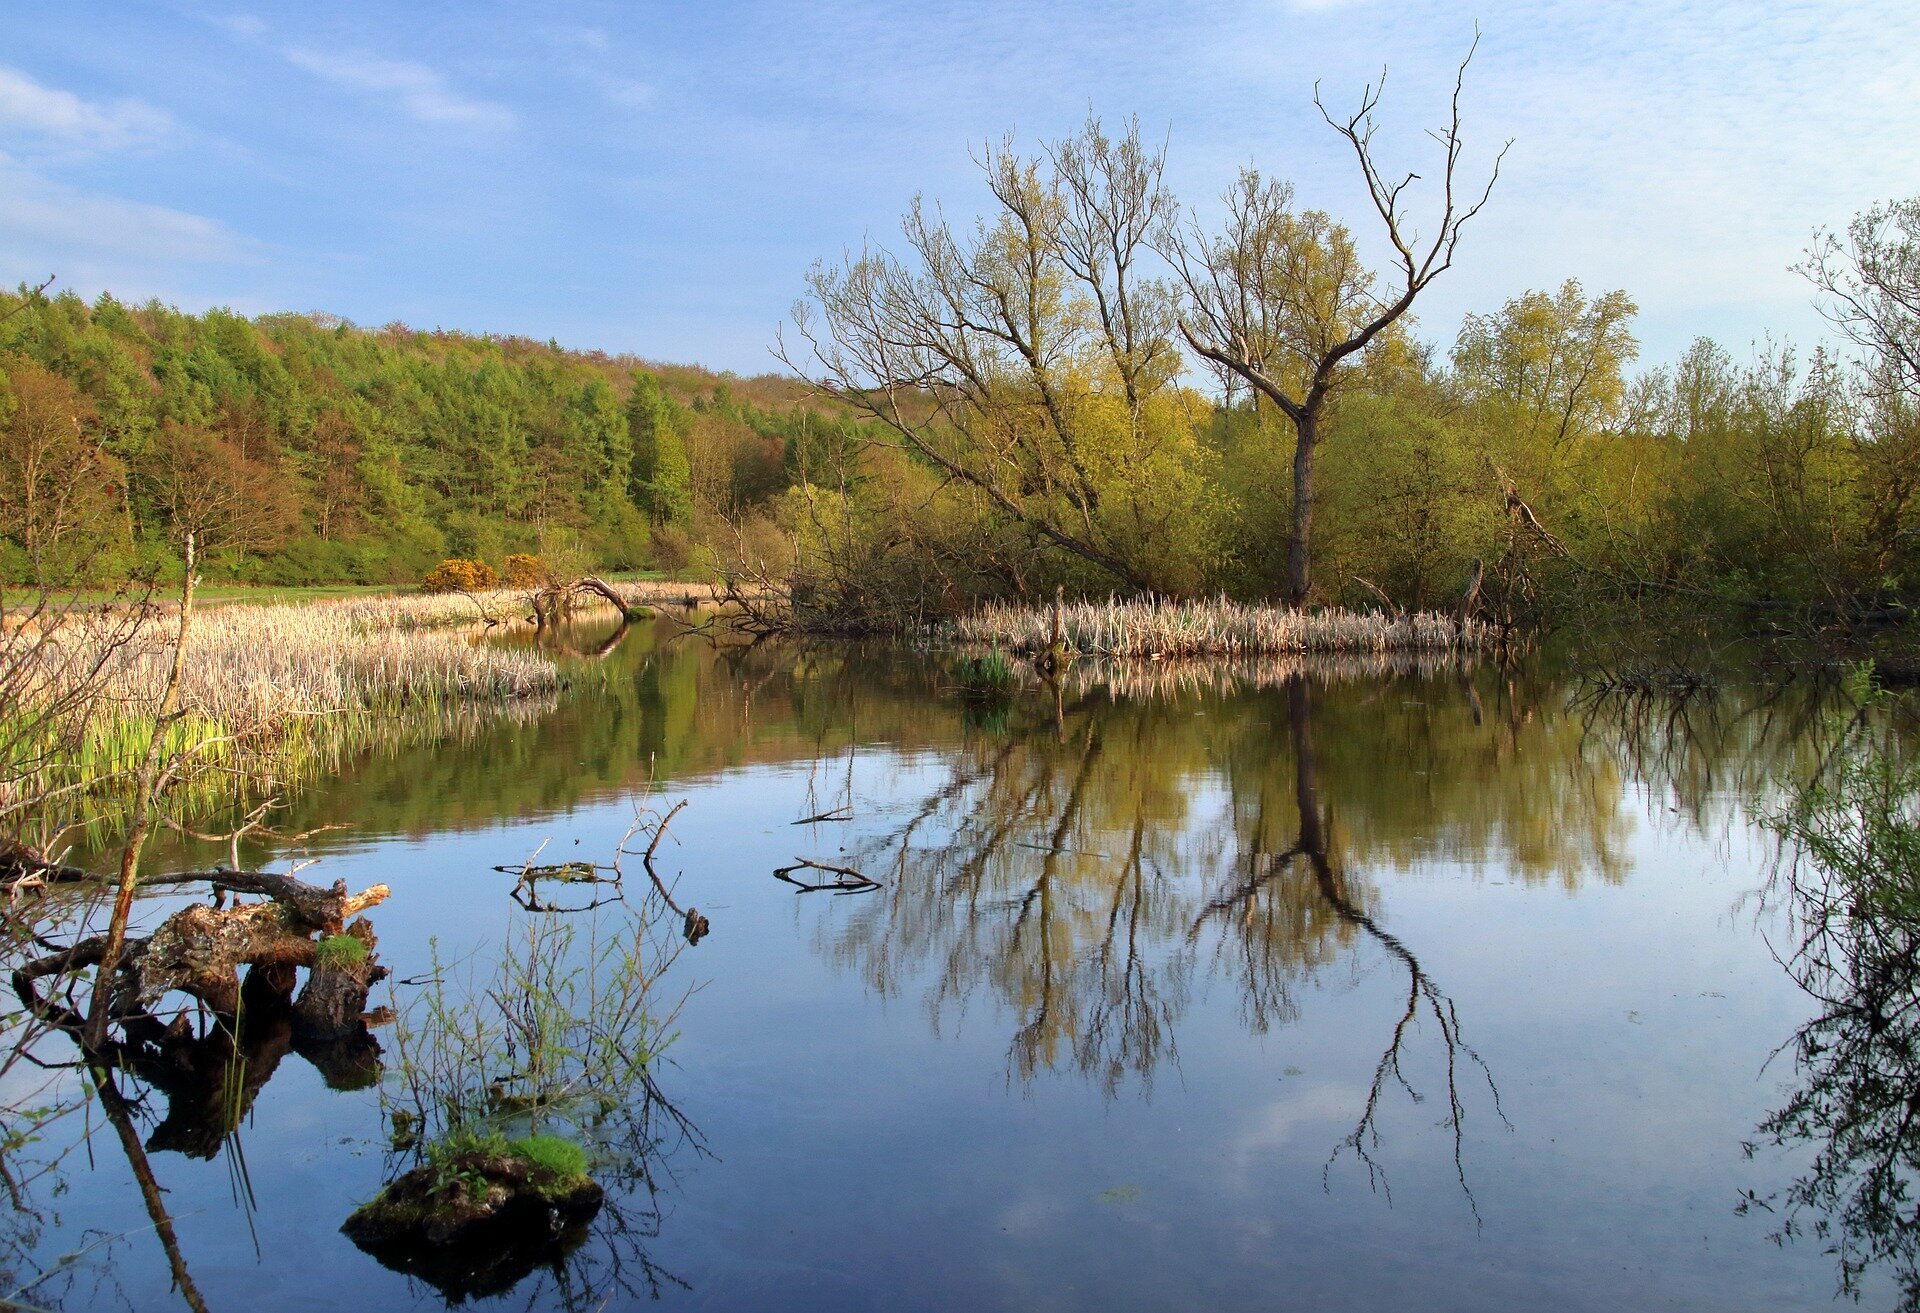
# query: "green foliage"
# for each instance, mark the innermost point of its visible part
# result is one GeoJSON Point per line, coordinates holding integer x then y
{"type": "Point", "coordinates": [304, 450]}
{"type": "Point", "coordinates": [340, 454]}
{"type": "Point", "coordinates": [562, 1033]}
{"type": "Point", "coordinates": [452, 1159]}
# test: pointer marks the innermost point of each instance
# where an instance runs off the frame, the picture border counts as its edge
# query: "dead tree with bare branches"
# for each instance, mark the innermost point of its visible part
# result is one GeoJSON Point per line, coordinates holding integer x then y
{"type": "Point", "coordinates": [1280, 301]}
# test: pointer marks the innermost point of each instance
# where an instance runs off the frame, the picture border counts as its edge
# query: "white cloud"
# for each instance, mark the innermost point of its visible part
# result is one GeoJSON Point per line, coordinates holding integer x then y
{"type": "Point", "coordinates": [61, 118]}
{"type": "Point", "coordinates": [421, 91]}
{"type": "Point", "coordinates": [93, 240]}
{"type": "Point", "coordinates": [626, 93]}
{"type": "Point", "coordinates": [1273, 1128]}
{"type": "Point", "coordinates": [246, 26]}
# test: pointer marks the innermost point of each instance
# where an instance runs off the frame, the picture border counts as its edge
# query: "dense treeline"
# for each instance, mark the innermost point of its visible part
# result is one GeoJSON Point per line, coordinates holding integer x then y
{"type": "Point", "coordinates": [305, 449]}
{"type": "Point", "coordinates": [1339, 458]}
{"type": "Point", "coordinates": [995, 426]}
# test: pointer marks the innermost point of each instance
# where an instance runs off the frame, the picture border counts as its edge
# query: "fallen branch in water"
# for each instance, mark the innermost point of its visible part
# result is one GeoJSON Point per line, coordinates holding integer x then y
{"type": "Point", "coordinates": [845, 879]}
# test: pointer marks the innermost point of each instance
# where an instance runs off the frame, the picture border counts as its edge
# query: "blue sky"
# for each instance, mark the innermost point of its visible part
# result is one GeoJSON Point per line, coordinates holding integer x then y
{"type": "Point", "coordinates": [657, 178]}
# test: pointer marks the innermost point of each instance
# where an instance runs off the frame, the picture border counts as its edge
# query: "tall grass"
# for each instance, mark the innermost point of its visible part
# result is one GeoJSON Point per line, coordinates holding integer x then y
{"type": "Point", "coordinates": [1214, 628]}
{"type": "Point", "coordinates": [272, 693]}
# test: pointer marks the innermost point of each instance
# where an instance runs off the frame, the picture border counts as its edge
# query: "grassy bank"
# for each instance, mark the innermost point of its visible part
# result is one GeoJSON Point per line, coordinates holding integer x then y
{"type": "Point", "coordinates": [1215, 628]}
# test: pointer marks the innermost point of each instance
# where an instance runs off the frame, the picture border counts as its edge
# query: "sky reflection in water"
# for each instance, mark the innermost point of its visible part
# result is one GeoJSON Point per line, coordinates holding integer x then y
{"type": "Point", "coordinates": [1248, 989]}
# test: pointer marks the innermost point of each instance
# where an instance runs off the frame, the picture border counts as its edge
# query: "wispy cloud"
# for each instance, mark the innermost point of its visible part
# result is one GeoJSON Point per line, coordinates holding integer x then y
{"type": "Point", "coordinates": [421, 91]}
{"type": "Point", "coordinates": [97, 240]}
{"type": "Point", "coordinates": [624, 92]}
{"type": "Point", "coordinates": [60, 118]}
{"type": "Point", "coordinates": [245, 26]}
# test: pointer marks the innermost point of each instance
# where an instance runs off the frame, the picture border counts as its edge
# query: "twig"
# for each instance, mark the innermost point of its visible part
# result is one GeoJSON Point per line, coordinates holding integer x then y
{"type": "Point", "coordinates": [845, 879]}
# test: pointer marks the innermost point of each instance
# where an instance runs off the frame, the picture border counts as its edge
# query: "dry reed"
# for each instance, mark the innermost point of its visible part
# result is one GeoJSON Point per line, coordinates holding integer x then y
{"type": "Point", "coordinates": [1214, 628]}
{"type": "Point", "coordinates": [274, 692]}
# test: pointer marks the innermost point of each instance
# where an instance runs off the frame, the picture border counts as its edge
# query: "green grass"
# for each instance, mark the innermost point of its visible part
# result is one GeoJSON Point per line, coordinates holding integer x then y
{"type": "Point", "coordinates": [557, 1157]}
{"type": "Point", "coordinates": [338, 951]}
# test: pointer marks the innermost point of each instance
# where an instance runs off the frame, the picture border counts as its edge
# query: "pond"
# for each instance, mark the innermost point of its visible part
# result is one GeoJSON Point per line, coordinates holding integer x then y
{"type": "Point", "coordinates": [1347, 985]}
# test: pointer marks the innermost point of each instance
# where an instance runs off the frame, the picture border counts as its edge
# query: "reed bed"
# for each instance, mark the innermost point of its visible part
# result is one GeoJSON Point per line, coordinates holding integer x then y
{"type": "Point", "coordinates": [1216, 628]}
{"type": "Point", "coordinates": [273, 693]}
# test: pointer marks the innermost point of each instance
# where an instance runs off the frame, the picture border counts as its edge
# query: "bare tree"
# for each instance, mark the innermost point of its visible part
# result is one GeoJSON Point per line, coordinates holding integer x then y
{"type": "Point", "coordinates": [1870, 281]}
{"type": "Point", "coordinates": [1279, 299]}
{"type": "Point", "coordinates": [988, 352]}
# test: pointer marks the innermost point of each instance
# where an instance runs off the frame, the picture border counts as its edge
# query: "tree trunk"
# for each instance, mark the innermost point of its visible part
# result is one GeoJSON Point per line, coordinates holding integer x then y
{"type": "Point", "coordinates": [1299, 548]}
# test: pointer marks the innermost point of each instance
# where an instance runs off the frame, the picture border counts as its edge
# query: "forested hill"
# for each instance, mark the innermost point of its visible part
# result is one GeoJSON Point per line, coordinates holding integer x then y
{"type": "Point", "coordinates": [321, 451]}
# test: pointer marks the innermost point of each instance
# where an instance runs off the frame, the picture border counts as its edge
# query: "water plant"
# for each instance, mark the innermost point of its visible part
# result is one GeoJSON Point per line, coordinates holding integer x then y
{"type": "Point", "coordinates": [987, 675]}
{"type": "Point", "coordinates": [561, 1160]}
{"type": "Point", "coordinates": [266, 693]}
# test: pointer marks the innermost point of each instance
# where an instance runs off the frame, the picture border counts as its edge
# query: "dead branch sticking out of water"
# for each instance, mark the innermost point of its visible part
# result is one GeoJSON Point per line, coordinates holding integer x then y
{"type": "Point", "coordinates": [841, 813]}
{"type": "Point", "coordinates": [843, 879]}
{"type": "Point", "coordinates": [646, 823]}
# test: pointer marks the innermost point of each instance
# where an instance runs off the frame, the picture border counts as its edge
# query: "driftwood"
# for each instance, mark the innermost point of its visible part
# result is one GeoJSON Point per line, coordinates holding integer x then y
{"type": "Point", "coordinates": [200, 951]}
{"type": "Point", "coordinates": [551, 602]}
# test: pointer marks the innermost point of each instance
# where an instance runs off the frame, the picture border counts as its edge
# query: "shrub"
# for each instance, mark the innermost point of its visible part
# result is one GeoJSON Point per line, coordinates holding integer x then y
{"type": "Point", "coordinates": [524, 570]}
{"type": "Point", "coordinates": [672, 549]}
{"type": "Point", "coordinates": [456, 575]}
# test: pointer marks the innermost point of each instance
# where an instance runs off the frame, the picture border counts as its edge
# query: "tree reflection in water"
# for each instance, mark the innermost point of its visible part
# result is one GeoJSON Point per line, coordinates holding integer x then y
{"type": "Point", "coordinates": [1070, 866]}
{"type": "Point", "coordinates": [1851, 879]}
{"type": "Point", "coordinates": [1311, 850]}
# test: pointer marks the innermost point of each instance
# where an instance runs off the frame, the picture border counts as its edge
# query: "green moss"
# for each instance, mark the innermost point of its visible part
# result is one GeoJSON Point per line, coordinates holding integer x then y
{"type": "Point", "coordinates": [561, 1159]}
{"type": "Point", "coordinates": [336, 952]}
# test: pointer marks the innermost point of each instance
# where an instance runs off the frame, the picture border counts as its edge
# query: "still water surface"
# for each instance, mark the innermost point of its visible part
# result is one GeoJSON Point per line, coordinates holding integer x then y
{"type": "Point", "coordinates": [1334, 988]}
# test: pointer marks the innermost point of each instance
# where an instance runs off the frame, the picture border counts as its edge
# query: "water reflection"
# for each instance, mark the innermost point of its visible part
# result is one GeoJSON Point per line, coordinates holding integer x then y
{"type": "Point", "coordinates": [1090, 866]}
{"type": "Point", "coordinates": [1086, 868]}
{"type": "Point", "coordinates": [1850, 877]}
{"type": "Point", "coordinates": [558, 1045]}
